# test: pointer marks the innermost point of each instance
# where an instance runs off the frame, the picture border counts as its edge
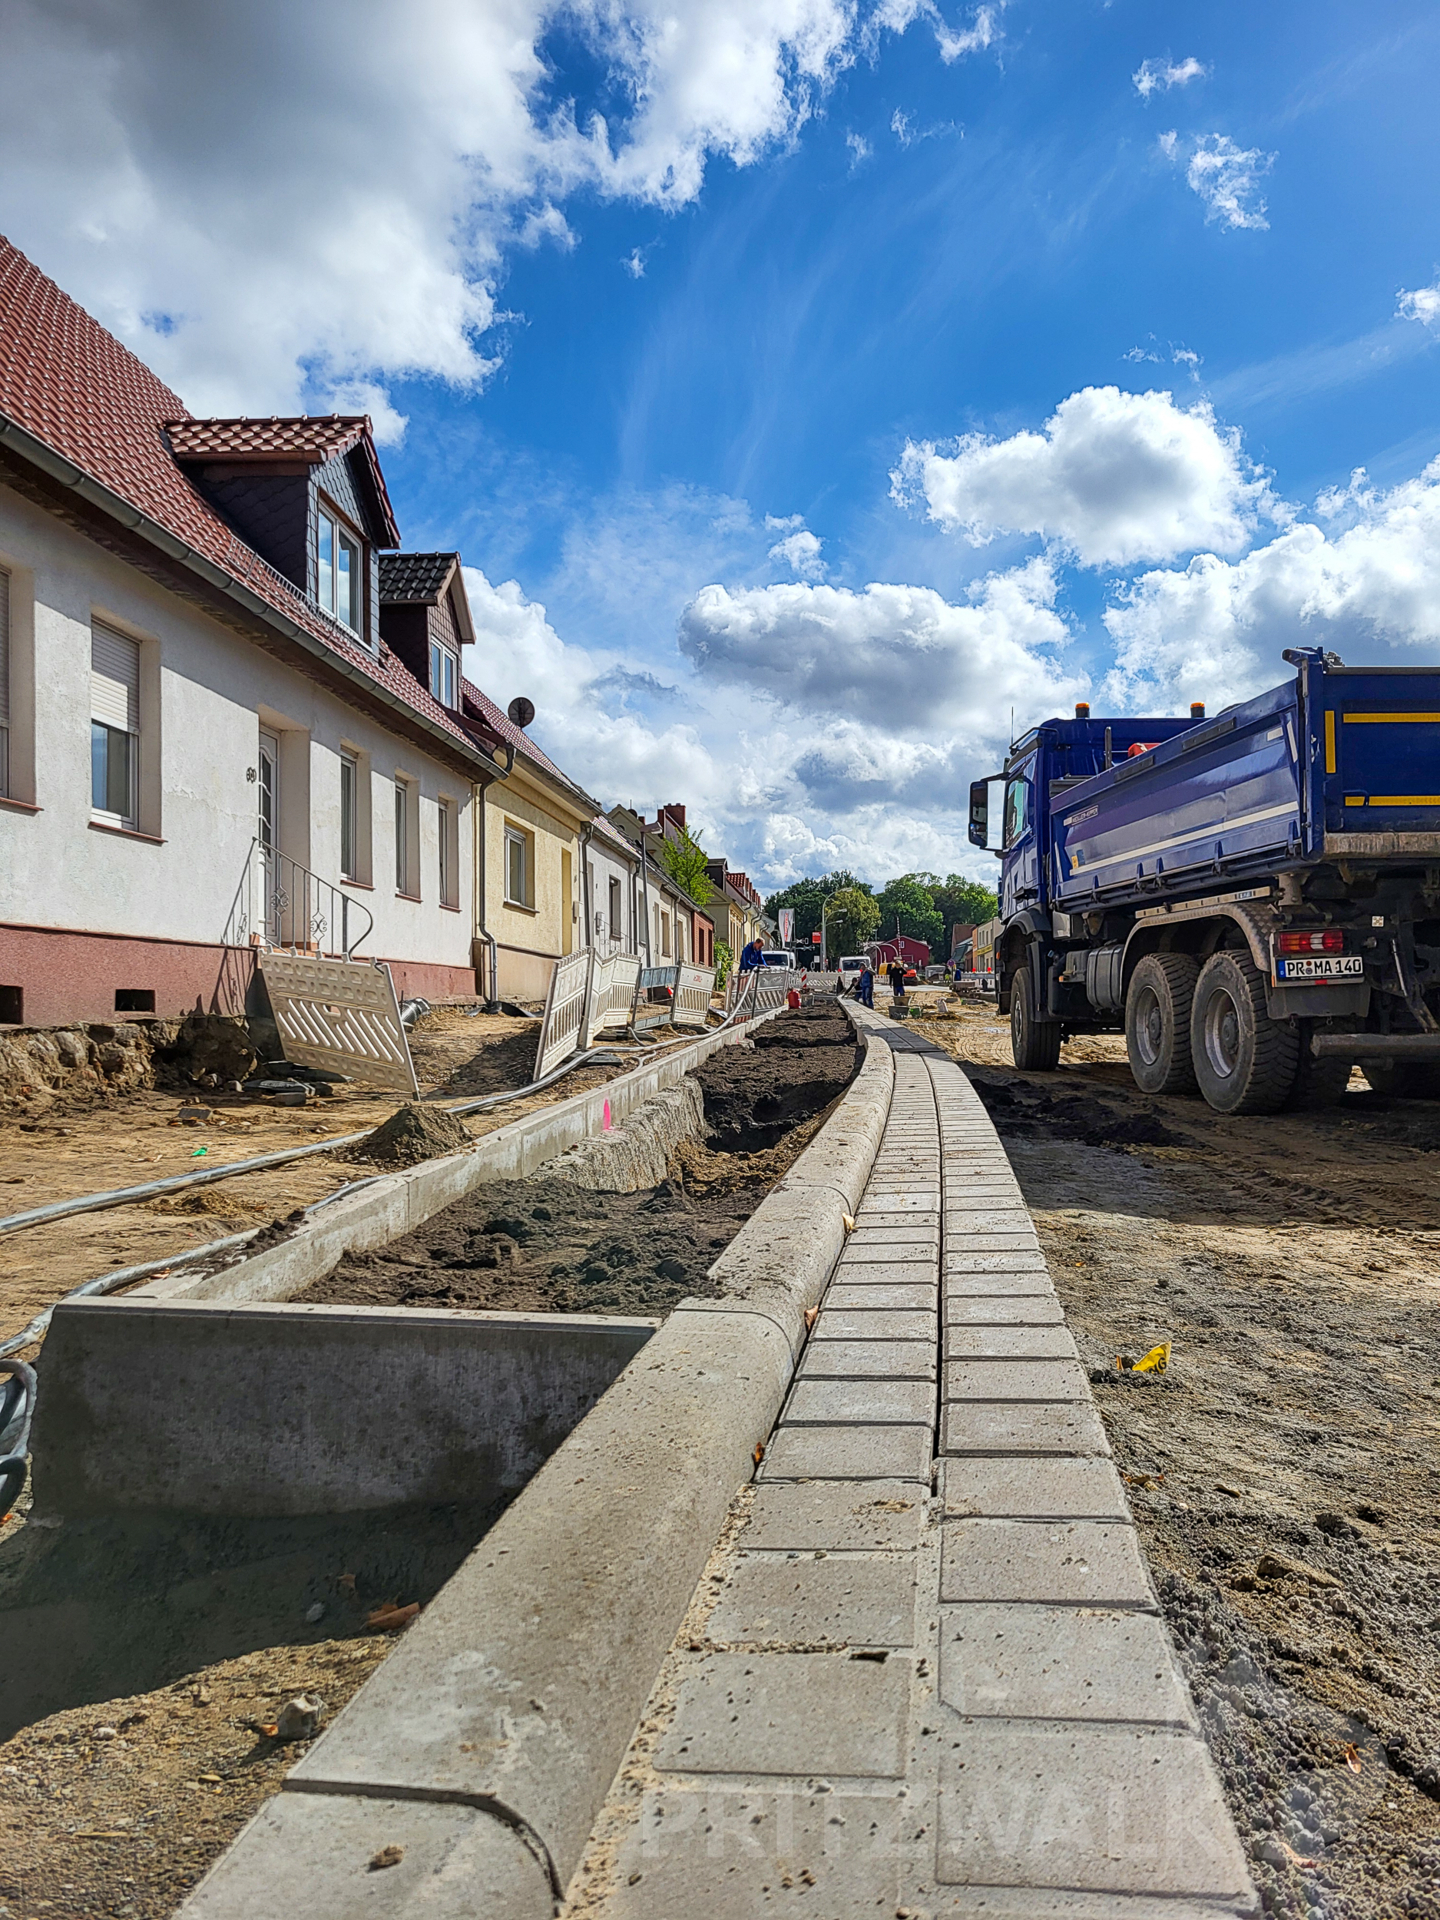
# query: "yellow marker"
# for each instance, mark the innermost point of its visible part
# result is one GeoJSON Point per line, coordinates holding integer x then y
{"type": "Point", "coordinates": [1405, 799]}
{"type": "Point", "coordinates": [1155, 1361]}
{"type": "Point", "coordinates": [1391, 719]}
{"type": "Point", "coordinates": [1329, 741]}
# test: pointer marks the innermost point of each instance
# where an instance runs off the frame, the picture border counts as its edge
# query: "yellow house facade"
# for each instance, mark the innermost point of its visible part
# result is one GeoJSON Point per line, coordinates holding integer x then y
{"type": "Point", "coordinates": [531, 829]}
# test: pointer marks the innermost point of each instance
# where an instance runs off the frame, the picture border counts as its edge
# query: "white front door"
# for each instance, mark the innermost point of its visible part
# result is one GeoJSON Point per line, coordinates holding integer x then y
{"type": "Point", "coordinates": [268, 833]}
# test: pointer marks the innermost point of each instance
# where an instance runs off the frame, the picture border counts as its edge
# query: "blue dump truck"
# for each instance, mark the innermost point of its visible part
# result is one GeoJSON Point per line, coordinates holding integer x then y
{"type": "Point", "coordinates": [1253, 898]}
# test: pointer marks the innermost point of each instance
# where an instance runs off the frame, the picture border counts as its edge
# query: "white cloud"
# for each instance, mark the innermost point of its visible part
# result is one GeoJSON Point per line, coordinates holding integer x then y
{"type": "Point", "coordinates": [895, 16]}
{"type": "Point", "coordinates": [1227, 178]}
{"type": "Point", "coordinates": [1159, 76]}
{"type": "Point", "coordinates": [634, 263]}
{"type": "Point", "coordinates": [1167, 143]}
{"type": "Point", "coordinates": [801, 553]}
{"type": "Point", "coordinates": [892, 657]}
{"type": "Point", "coordinates": [900, 127]}
{"type": "Point", "coordinates": [860, 149]}
{"type": "Point", "coordinates": [1423, 304]}
{"type": "Point", "coordinates": [1179, 356]}
{"type": "Point", "coordinates": [1215, 629]}
{"type": "Point", "coordinates": [272, 204]}
{"type": "Point", "coordinates": [1113, 478]}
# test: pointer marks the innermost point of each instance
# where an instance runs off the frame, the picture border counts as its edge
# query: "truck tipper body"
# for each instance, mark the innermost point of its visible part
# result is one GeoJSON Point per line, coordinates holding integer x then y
{"type": "Point", "coordinates": [1253, 898]}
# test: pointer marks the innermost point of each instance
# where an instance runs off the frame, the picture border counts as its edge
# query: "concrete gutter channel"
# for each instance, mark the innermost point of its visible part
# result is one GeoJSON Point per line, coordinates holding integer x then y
{"type": "Point", "coordinates": [487, 1744]}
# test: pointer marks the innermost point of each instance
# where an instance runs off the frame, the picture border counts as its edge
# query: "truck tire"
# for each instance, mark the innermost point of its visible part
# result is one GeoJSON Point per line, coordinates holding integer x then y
{"type": "Point", "coordinates": [1317, 1083]}
{"type": "Point", "coordinates": [1157, 1022]}
{"type": "Point", "coordinates": [1244, 1061]}
{"type": "Point", "coordinates": [1034, 1043]}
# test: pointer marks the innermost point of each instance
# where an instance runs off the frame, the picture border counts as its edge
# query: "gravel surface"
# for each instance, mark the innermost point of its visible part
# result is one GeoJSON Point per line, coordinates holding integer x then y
{"type": "Point", "coordinates": [1283, 1472]}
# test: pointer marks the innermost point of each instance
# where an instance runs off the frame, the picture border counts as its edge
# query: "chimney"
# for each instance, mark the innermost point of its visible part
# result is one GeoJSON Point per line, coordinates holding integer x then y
{"type": "Point", "coordinates": [677, 814]}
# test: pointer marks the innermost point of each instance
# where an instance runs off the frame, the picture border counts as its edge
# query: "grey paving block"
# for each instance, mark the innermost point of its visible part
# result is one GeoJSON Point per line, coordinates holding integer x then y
{"type": "Point", "coordinates": [308, 1855]}
{"type": "Point", "coordinates": [857, 1269]}
{"type": "Point", "coordinates": [867, 1324]}
{"type": "Point", "coordinates": [958, 1263]}
{"type": "Point", "coordinates": [868, 1359]}
{"type": "Point", "coordinates": [878, 1402]}
{"type": "Point", "coordinates": [846, 1599]}
{"type": "Point", "coordinates": [732, 1853]}
{"type": "Point", "coordinates": [848, 1453]}
{"type": "Point", "coordinates": [964, 1224]}
{"type": "Point", "coordinates": [1027, 1487]}
{"type": "Point", "coordinates": [878, 1220]}
{"type": "Point", "coordinates": [902, 1196]}
{"type": "Point", "coordinates": [964, 1194]}
{"type": "Point", "coordinates": [1091, 1808]}
{"type": "Point", "coordinates": [992, 1427]}
{"type": "Point", "coordinates": [1028, 1903]}
{"type": "Point", "coordinates": [832, 1516]}
{"type": "Point", "coordinates": [916, 1295]}
{"type": "Point", "coordinates": [896, 1235]}
{"type": "Point", "coordinates": [969, 1342]}
{"type": "Point", "coordinates": [790, 1713]}
{"type": "Point", "coordinates": [963, 1241]}
{"type": "Point", "coordinates": [1015, 1380]}
{"type": "Point", "coordinates": [1073, 1563]}
{"type": "Point", "coordinates": [996, 1278]}
{"type": "Point", "coordinates": [1060, 1663]}
{"type": "Point", "coordinates": [1001, 1309]}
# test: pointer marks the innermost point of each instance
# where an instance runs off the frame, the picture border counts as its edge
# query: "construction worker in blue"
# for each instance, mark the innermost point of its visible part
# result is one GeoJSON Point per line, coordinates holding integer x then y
{"type": "Point", "coordinates": [752, 956]}
{"type": "Point", "coordinates": [865, 986]}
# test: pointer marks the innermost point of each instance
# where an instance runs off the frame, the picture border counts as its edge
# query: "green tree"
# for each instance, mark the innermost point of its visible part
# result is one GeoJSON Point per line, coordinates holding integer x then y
{"type": "Point", "coordinates": [724, 959]}
{"type": "Point", "coordinates": [808, 898]}
{"type": "Point", "coordinates": [907, 906]}
{"type": "Point", "coordinates": [851, 921]}
{"type": "Point", "coordinates": [964, 903]}
{"type": "Point", "coordinates": [684, 861]}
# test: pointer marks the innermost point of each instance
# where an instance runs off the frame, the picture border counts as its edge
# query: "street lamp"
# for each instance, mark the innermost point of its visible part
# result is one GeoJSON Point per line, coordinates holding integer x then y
{"type": "Point", "coordinates": [824, 949]}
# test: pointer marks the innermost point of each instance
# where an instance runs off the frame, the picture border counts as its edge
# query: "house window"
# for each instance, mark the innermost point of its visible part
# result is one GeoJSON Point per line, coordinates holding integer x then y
{"type": "Point", "coordinates": [517, 867]}
{"type": "Point", "coordinates": [337, 569]}
{"type": "Point", "coordinates": [114, 726]}
{"type": "Point", "coordinates": [407, 829]}
{"type": "Point", "coordinates": [614, 908]}
{"type": "Point", "coordinates": [349, 817]}
{"type": "Point", "coordinates": [444, 673]}
{"type": "Point", "coordinates": [449, 847]}
{"type": "Point", "coordinates": [4, 682]}
{"type": "Point", "coordinates": [665, 936]}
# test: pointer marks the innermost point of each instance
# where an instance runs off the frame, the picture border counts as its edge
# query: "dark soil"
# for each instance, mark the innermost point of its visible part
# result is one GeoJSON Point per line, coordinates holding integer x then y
{"type": "Point", "coordinates": [544, 1245]}
{"type": "Point", "coordinates": [411, 1134]}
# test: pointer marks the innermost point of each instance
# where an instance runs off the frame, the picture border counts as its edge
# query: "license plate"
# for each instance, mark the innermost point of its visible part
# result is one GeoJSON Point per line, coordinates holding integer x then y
{"type": "Point", "coordinates": [1319, 966]}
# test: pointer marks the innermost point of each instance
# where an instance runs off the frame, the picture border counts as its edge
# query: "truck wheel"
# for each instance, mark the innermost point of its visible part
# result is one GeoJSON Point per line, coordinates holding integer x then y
{"type": "Point", "coordinates": [1244, 1061]}
{"type": "Point", "coordinates": [1317, 1083]}
{"type": "Point", "coordinates": [1034, 1043]}
{"type": "Point", "coordinates": [1157, 1022]}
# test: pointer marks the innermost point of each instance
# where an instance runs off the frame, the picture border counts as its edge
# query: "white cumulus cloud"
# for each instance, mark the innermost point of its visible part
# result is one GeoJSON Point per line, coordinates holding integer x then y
{"type": "Point", "coordinates": [1227, 178]}
{"type": "Point", "coordinates": [1215, 629]}
{"type": "Point", "coordinates": [1113, 478]}
{"type": "Point", "coordinates": [272, 203]}
{"type": "Point", "coordinates": [801, 553]}
{"type": "Point", "coordinates": [892, 657]}
{"type": "Point", "coordinates": [894, 16]}
{"type": "Point", "coordinates": [1159, 76]}
{"type": "Point", "coordinates": [1422, 304]}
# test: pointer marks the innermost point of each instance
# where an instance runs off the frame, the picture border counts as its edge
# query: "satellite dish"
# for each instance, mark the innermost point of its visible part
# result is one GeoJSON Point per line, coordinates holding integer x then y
{"type": "Point", "coordinates": [521, 710]}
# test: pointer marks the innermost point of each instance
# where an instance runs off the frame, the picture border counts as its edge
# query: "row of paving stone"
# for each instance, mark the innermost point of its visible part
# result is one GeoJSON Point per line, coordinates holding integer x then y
{"type": "Point", "coordinates": [934, 1679]}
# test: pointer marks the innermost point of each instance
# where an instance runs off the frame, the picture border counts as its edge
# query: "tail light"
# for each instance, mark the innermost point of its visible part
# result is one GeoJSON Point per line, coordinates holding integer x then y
{"type": "Point", "coordinates": [1329, 942]}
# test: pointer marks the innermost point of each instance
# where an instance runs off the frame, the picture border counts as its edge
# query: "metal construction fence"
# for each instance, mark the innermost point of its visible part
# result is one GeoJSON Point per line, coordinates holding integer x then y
{"type": "Point", "coordinates": [589, 996]}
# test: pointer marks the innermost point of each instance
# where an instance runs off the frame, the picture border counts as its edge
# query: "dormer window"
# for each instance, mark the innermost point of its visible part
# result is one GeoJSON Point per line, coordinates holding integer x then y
{"type": "Point", "coordinates": [337, 571]}
{"type": "Point", "coordinates": [444, 674]}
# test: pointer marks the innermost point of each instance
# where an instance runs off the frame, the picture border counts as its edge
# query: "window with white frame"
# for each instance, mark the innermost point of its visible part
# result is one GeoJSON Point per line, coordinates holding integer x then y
{"type": "Point", "coordinates": [444, 674]}
{"type": "Point", "coordinates": [349, 817]}
{"type": "Point", "coordinates": [518, 864]}
{"type": "Point", "coordinates": [449, 852]}
{"type": "Point", "coordinates": [615, 908]}
{"type": "Point", "coordinates": [338, 560]}
{"type": "Point", "coordinates": [4, 682]}
{"type": "Point", "coordinates": [114, 726]}
{"type": "Point", "coordinates": [407, 832]}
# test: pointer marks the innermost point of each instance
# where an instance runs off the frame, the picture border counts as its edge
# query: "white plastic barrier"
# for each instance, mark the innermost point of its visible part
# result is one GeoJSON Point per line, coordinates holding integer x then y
{"type": "Point", "coordinates": [693, 989]}
{"type": "Point", "coordinates": [564, 1011]}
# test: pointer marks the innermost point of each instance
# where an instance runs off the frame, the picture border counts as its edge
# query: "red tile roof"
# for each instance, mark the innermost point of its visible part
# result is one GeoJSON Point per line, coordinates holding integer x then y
{"type": "Point", "coordinates": [500, 724]}
{"type": "Point", "coordinates": [312, 437]}
{"type": "Point", "coordinates": [72, 385]}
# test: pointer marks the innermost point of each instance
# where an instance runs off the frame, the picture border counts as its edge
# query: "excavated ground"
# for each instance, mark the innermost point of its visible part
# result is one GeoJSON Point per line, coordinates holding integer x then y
{"type": "Point", "coordinates": [1283, 1472]}
{"type": "Point", "coordinates": [545, 1245]}
{"type": "Point", "coordinates": [120, 1806]}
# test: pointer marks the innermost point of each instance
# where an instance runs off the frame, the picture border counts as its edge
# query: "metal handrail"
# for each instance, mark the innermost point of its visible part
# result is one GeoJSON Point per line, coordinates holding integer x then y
{"type": "Point", "coordinates": [286, 908]}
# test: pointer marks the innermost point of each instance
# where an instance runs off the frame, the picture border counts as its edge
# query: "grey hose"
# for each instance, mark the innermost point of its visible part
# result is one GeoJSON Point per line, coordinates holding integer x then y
{"type": "Point", "coordinates": [125, 1196]}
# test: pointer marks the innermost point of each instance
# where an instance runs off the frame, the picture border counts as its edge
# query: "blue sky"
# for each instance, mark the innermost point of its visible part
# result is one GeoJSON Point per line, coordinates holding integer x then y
{"type": "Point", "coordinates": [865, 372]}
